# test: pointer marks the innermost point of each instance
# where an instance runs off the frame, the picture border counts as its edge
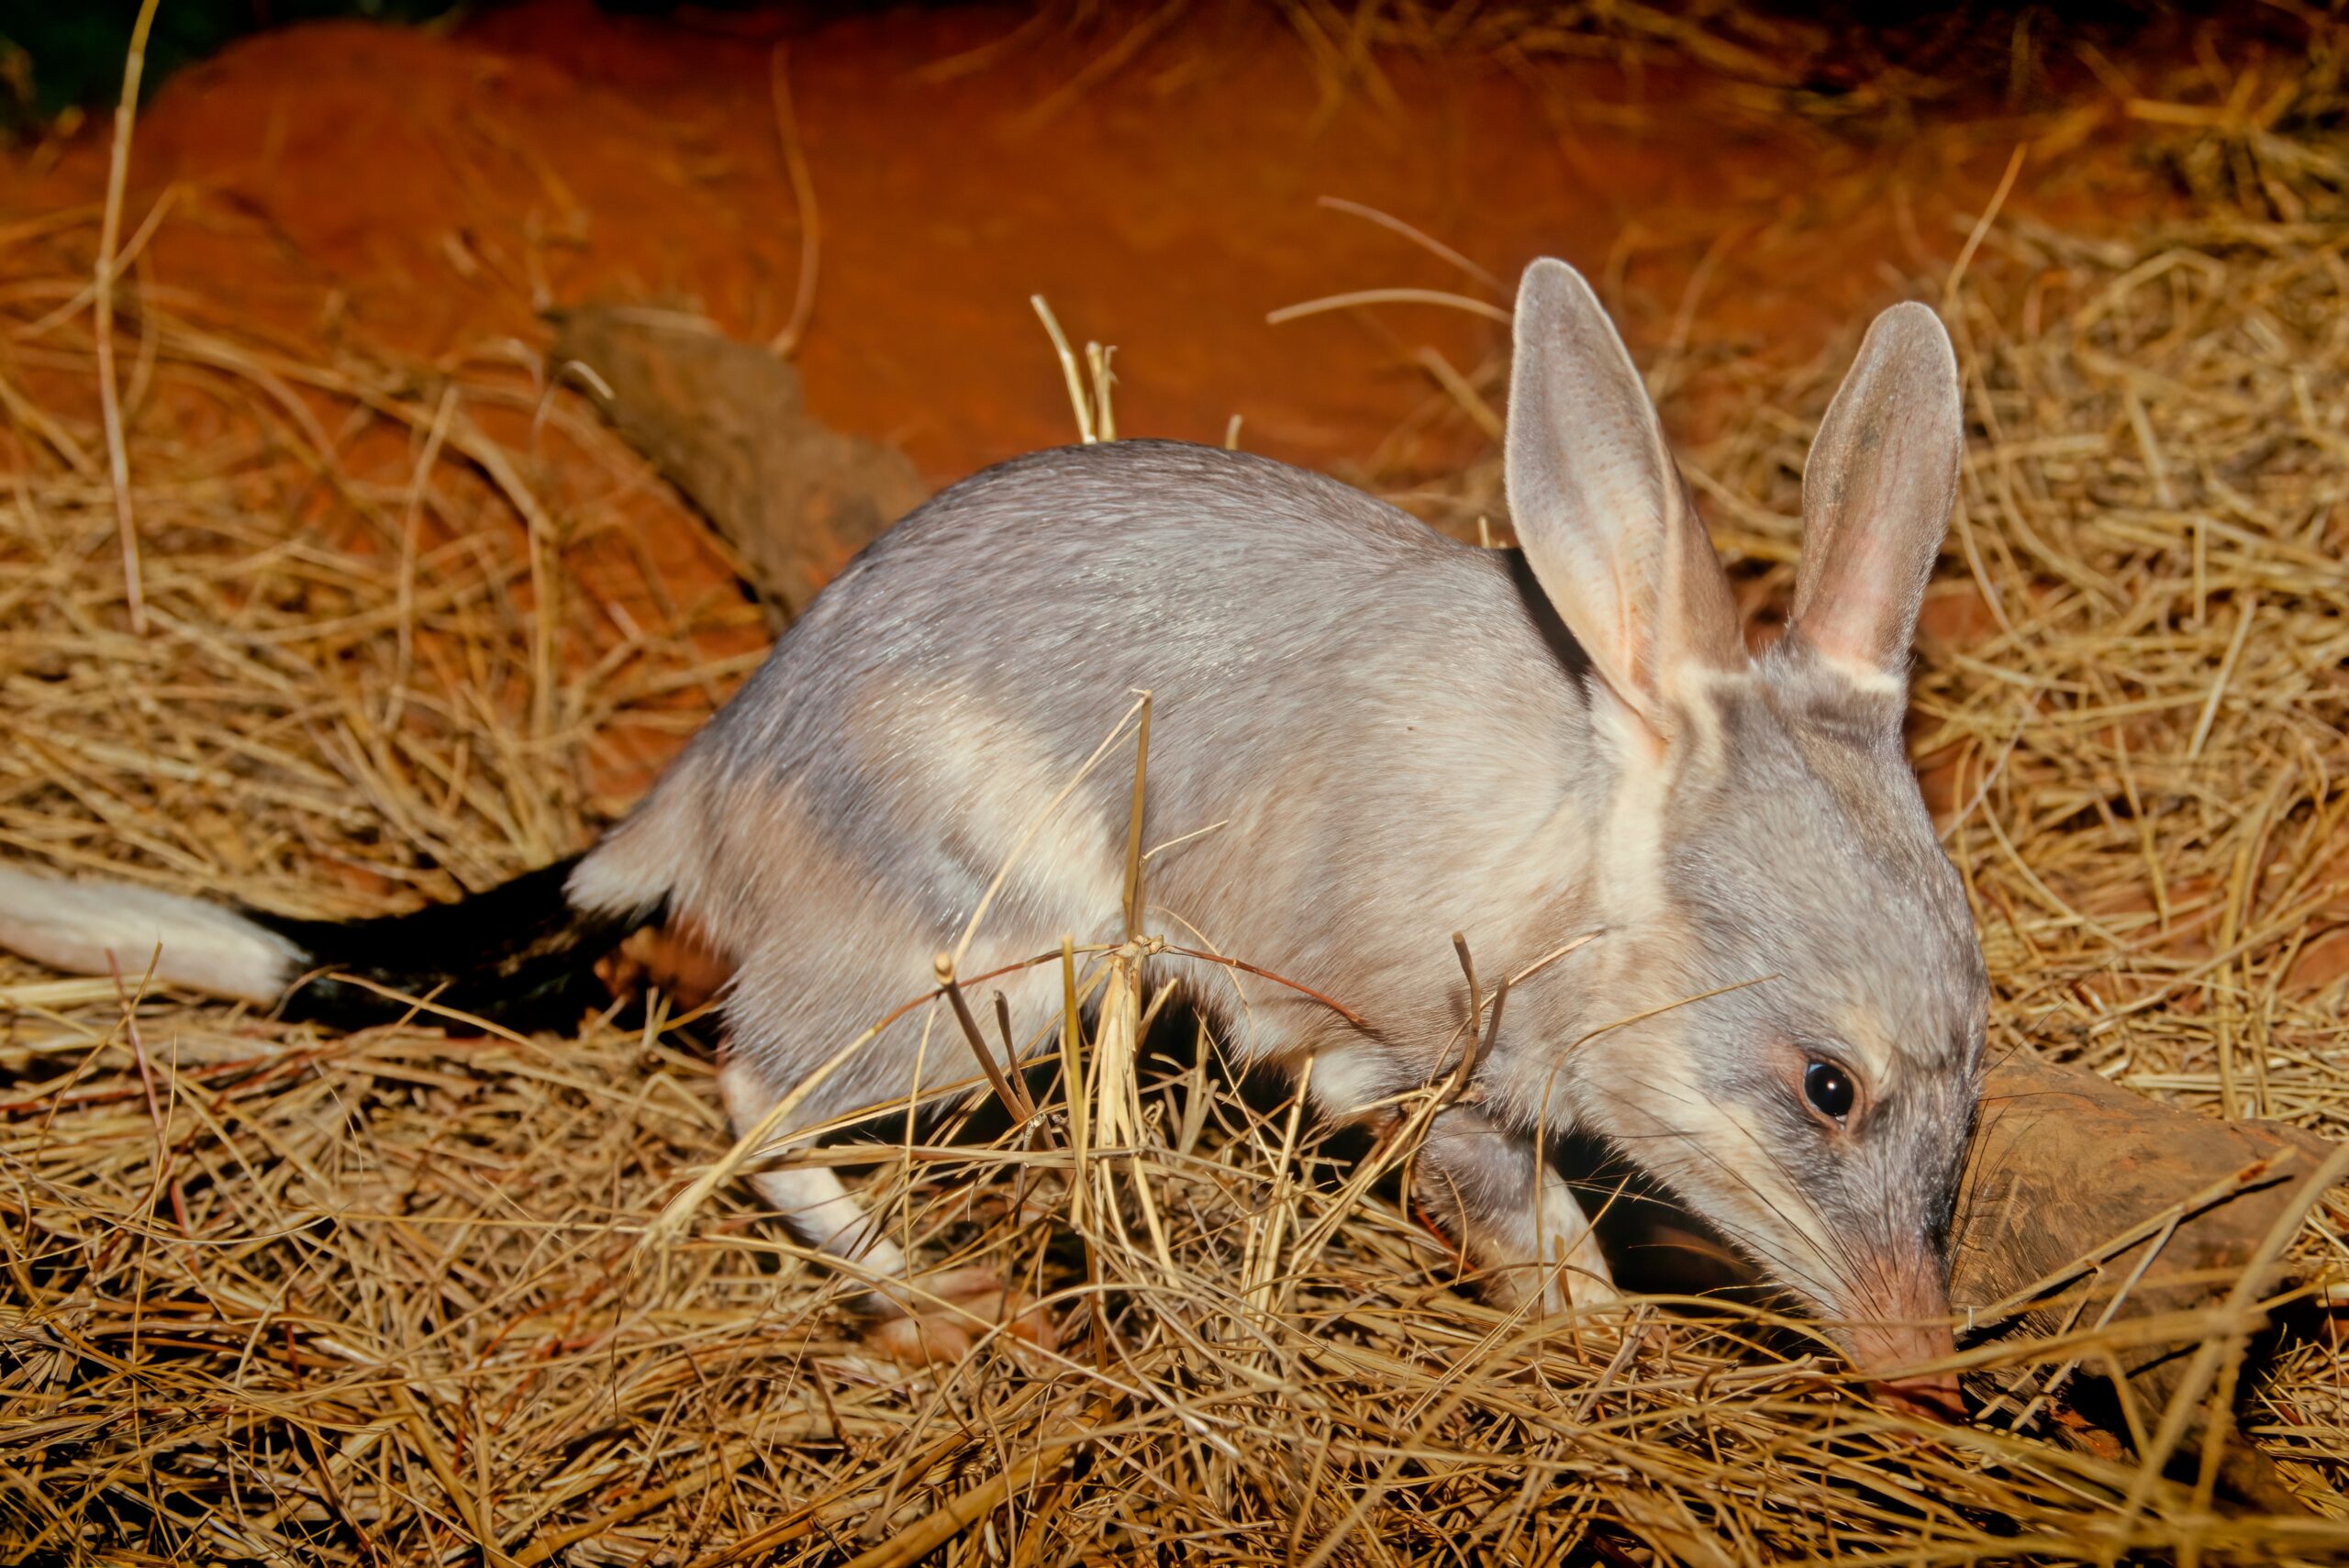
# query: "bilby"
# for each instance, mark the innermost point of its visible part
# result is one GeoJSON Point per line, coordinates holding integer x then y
{"type": "Point", "coordinates": [1773, 1001]}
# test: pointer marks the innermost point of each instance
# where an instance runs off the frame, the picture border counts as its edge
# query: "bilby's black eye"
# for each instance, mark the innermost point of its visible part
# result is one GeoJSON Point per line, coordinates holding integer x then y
{"type": "Point", "coordinates": [1829, 1088]}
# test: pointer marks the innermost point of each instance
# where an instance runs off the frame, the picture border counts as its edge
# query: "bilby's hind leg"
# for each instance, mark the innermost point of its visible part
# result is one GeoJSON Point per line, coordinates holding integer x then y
{"type": "Point", "coordinates": [1496, 1192]}
{"type": "Point", "coordinates": [919, 1319]}
{"type": "Point", "coordinates": [823, 1213]}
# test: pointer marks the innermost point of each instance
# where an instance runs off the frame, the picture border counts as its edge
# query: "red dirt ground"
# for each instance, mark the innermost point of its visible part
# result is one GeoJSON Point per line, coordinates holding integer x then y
{"type": "Point", "coordinates": [424, 194]}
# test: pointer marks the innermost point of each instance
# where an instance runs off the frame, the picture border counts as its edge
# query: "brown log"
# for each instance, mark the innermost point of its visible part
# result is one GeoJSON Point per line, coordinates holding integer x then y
{"type": "Point", "coordinates": [726, 422]}
{"type": "Point", "coordinates": [2064, 1164]}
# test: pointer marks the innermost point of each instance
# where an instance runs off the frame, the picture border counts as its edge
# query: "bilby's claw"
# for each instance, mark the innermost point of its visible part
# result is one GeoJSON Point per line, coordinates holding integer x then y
{"type": "Point", "coordinates": [942, 1319]}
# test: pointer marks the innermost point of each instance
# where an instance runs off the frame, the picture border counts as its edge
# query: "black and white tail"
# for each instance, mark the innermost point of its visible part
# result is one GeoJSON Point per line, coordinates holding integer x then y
{"type": "Point", "coordinates": [521, 954]}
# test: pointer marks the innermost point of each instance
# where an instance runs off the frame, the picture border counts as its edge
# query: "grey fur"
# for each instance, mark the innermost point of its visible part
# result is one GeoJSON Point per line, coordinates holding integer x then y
{"type": "Point", "coordinates": [1397, 744]}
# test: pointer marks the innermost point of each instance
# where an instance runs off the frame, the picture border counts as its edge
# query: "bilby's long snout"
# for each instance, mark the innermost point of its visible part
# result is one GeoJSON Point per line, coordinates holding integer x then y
{"type": "Point", "coordinates": [1898, 1350]}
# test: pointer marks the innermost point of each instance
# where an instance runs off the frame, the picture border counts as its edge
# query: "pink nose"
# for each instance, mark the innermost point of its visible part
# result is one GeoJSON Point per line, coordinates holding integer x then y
{"type": "Point", "coordinates": [1896, 1349]}
{"type": "Point", "coordinates": [1933, 1396]}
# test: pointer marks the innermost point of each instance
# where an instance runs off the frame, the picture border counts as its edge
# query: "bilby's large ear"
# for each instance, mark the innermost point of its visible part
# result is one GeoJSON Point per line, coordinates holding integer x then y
{"type": "Point", "coordinates": [1599, 507]}
{"type": "Point", "coordinates": [1876, 495]}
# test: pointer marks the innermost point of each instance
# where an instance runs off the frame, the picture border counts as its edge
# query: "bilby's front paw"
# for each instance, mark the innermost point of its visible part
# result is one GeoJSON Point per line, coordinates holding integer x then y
{"type": "Point", "coordinates": [1544, 1293]}
{"type": "Point", "coordinates": [1581, 1292]}
{"type": "Point", "coordinates": [939, 1319]}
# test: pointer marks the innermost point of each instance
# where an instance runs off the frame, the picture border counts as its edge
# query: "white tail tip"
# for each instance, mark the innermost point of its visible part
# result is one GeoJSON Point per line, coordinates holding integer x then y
{"type": "Point", "coordinates": [92, 927]}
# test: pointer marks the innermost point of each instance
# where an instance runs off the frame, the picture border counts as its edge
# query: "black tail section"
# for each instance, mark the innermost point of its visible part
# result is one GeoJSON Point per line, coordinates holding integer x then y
{"type": "Point", "coordinates": [520, 954]}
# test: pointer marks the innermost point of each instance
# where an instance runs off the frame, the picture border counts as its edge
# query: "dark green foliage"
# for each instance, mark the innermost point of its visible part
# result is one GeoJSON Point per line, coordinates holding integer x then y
{"type": "Point", "coordinates": [57, 55]}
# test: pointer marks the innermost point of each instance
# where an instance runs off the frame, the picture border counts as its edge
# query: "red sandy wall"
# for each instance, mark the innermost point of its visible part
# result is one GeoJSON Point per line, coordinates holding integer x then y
{"type": "Point", "coordinates": [424, 194]}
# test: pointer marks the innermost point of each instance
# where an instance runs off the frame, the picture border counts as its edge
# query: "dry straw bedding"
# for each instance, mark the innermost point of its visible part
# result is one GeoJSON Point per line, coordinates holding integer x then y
{"type": "Point", "coordinates": [272, 1292]}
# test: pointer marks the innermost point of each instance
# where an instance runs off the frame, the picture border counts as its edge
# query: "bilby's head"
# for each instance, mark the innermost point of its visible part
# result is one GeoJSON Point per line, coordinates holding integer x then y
{"type": "Point", "coordinates": [1792, 961]}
